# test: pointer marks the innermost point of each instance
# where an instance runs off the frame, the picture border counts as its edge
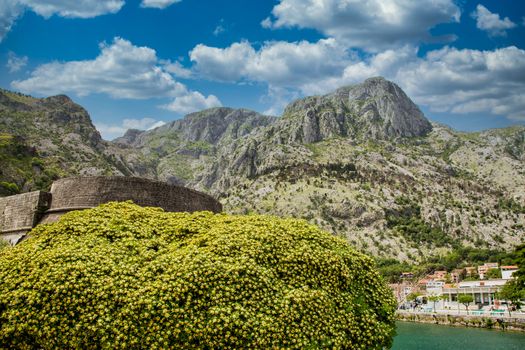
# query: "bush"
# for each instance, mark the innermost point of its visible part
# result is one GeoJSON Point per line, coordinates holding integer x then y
{"type": "Point", "coordinates": [124, 277]}
{"type": "Point", "coordinates": [4, 244]}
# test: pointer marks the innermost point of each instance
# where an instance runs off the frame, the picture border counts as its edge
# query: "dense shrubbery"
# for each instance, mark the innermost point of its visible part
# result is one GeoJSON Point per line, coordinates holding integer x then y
{"type": "Point", "coordinates": [122, 276]}
{"type": "Point", "coordinates": [407, 220]}
{"type": "Point", "coordinates": [4, 244]}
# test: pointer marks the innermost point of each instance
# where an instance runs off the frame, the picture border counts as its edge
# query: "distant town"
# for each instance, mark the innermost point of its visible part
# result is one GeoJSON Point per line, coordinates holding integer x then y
{"type": "Point", "coordinates": [471, 290]}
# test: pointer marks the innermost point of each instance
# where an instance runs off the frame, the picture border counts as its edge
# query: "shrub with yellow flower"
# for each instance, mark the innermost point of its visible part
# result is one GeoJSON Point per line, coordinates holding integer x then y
{"type": "Point", "coordinates": [120, 276]}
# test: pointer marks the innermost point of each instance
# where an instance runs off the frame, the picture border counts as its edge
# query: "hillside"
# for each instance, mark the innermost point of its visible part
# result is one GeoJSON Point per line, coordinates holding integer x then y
{"type": "Point", "coordinates": [44, 139]}
{"type": "Point", "coordinates": [362, 162]}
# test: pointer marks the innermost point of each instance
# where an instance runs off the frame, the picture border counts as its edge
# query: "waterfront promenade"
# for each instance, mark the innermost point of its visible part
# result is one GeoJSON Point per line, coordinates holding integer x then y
{"type": "Point", "coordinates": [514, 322]}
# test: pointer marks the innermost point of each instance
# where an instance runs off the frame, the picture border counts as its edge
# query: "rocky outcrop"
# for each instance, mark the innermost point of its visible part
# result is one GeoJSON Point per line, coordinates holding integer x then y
{"type": "Point", "coordinates": [376, 109]}
{"type": "Point", "coordinates": [62, 139]}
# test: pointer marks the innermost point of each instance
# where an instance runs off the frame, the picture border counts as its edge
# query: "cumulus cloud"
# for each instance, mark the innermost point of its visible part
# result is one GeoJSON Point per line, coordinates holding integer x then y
{"type": "Point", "coordinates": [449, 79]}
{"type": "Point", "coordinates": [176, 68]}
{"type": "Point", "coordinates": [446, 80]}
{"type": "Point", "coordinates": [10, 10]}
{"type": "Point", "coordinates": [111, 131]}
{"type": "Point", "coordinates": [277, 63]}
{"type": "Point", "coordinates": [121, 70]}
{"type": "Point", "coordinates": [491, 22]}
{"type": "Point", "coordinates": [73, 9]}
{"type": "Point", "coordinates": [15, 63]}
{"type": "Point", "coordinates": [370, 24]}
{"type": "Point", "coordinates": [192, 102]}
{"type": "Point", "coordinates": [159, 4]}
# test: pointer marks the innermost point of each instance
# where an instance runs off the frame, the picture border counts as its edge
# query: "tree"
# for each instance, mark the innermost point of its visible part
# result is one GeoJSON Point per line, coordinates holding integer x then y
{"type": "Point", "coordinates": [493, 274]}
{"type": "Point", "coordinates": [465, 299]}
{"type": "Point", "coordinates": [434, 299]}
{"type": "Point", "coordinates": [120, 276]}
{"type": "Point", "coordinates": [520, 261]}
{"type": "Point", "coordinates": [513, 294]}
{"type": "Point", "coordinates": [413, 296]}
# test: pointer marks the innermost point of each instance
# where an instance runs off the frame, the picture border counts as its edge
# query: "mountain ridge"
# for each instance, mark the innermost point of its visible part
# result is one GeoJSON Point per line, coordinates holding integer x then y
{"type": "Point", "coordinates": [362, 162]}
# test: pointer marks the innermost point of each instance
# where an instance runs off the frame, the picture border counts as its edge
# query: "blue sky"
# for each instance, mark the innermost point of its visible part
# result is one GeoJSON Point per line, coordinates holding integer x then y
{"type": "Point", "coordinates": [139, 63]}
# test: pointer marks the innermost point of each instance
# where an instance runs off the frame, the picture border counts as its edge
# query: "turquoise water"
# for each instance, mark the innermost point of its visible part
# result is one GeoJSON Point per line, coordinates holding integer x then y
{"type": "Point", "coordinates": [419, 336]}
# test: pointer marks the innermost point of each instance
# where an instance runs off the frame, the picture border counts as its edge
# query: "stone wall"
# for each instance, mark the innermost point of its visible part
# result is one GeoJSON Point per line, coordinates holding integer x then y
{"type": "Point", "coordinates": [491, 322]}
{"type": "Point", "coordinates": [22, 212]}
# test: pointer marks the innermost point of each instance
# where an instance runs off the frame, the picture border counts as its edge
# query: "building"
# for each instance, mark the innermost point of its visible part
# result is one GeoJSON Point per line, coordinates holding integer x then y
{"type": "Point", "coordinates": [434, 284]}
{"type": "Point", "coordinates": [470, 271]}
{"type": "Point", "coordinates": [483, 292]}
{"type": "Point", "coordinates": [483, 269]}
{"type": "Point", "coordinates": [457, 275]}
{"type": "Point", "coordinates": [507, 271]}
{"type": "Point", "coordinates": [438, 275]}
{"type": "Point", "coordinates": [407, 275]}
{"type": "Point", "coordinates": [401, 291]}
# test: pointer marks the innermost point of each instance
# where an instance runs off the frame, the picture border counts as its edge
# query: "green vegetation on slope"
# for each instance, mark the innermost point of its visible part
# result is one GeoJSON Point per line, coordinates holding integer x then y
{"type": "Point", "coordinates": [458, 257]}
{"type": "Point", "coordinates": [22, 168]}
{"type": "Point", "coordinates": [124, 277]}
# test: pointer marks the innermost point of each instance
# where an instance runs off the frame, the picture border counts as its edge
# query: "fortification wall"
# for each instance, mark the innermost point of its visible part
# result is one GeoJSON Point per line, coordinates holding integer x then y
{"type": "Point", "coordinates": [87, 192]}
{"type": "Point", "coordinates": [22, 212]}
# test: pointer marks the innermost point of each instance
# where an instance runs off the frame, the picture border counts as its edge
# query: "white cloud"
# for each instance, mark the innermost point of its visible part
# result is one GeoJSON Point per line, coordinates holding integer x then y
{"type": "Point", "coordinates": [176, 68]}
{"type": "Point", "coordinates": [370, 24]}
{"type": "Point", "coordinates": [15, 63]}
{"type": "Point", "coordinates": [192, 102]}
{"type": "Point", "coordinates": [121, 70]}
{"type": "Point", "coordinates": [447, 80]}
{"type": "Point", "coordinates": [10, 10]}
{"type": "Point", "coordinates": [277, 63]}
{"type": "Point", "coordinates": [73, 9]}
{"type": "Point", "coordinates": [159, 4]}
{"type": "Point", "coordinates": [142, 124]}
{"type": "Point", "coordinates": [491, 22]}
{"type": "Point", "coordinates": [111, 131]}
{"type": "Point", "coordinates": [218, 30]}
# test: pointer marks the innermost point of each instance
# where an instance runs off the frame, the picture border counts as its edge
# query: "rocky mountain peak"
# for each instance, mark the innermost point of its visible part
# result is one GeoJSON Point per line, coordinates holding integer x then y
{"type": "Point", "coordinates": [129, 138]}
{"type": "Point", "coordinates": [214, 124]}
{"type": "Point", "coordinates": [376, 108]}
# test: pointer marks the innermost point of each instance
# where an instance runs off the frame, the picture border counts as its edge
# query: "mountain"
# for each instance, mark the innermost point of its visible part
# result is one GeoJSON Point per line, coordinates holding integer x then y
{"type": "Point", "coordinates": [43, 139]}
{"type": "Point", "coordinates": [362, 162]}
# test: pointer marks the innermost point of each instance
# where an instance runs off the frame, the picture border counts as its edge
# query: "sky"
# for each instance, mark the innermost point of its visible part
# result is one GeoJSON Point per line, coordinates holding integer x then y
{"type": "Point", "coordinates": [142, 63]}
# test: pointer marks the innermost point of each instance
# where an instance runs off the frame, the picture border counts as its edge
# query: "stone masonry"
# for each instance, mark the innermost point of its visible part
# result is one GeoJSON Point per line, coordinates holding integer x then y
{"type": "Point", "coordinates": [20, 213]}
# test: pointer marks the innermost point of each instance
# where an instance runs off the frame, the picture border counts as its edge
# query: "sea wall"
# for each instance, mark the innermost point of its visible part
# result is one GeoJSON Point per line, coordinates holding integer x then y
{"type": "Point", "coordinates": [499, 322]}
{"type": "Point", "coordinates": [20, 213]}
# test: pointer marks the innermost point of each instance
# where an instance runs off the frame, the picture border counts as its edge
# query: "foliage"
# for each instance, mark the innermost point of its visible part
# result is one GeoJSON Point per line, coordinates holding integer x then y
{"type": "Point", "coordinates": [459, 257]}
{"type": "Point", "coordinates": [512, 293]}
{"type": "Point", "coordinates": [493, 274]}
{"type": "Point", "coordinates": [4, 244]}
{"type": "Point", "coordinates": [434, 299]}
{"type": "Point", "coordinates": [124, 277]}
{"type": "Point", "coordinates": [407, 220]}
{"type": "Point", "coordinates": [519, 259]}
{"type": "Point", "coordinates": [391, 269]}
{"type": "Point", "coordinates": [413, 296]}
{"type": "Point", "coordinates": [22, 167]}
{"type": "Point", "coordinates": [465, 299]}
